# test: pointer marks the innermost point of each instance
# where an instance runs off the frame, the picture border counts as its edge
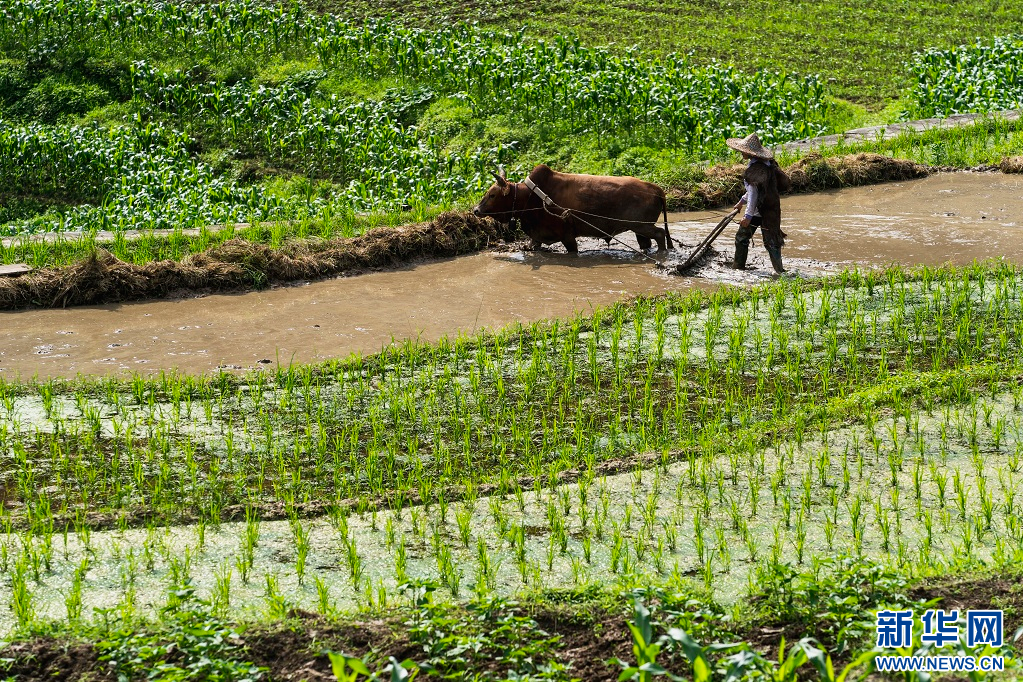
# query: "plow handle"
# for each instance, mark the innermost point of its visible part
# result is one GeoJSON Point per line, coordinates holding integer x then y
{"type": "Point", "coordinates": [707, 241]}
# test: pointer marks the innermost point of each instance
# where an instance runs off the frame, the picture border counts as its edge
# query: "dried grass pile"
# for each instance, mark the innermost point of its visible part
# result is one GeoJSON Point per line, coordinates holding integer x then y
{"type": "Point", "coordinates": [814, 172]}
{"type": "Point", "coordinates": [723, 183]}
{"type": "Point", "coordinates": [1011, 164]}
{"type": "Point", "coordinates": [239, 264]}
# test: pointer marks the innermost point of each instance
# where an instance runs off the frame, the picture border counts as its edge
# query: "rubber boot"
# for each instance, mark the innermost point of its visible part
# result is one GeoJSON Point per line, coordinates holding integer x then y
{"type": "Point", "coordinates": [775, 253]}
{"type": "Point", "coordinates": [741, 253]}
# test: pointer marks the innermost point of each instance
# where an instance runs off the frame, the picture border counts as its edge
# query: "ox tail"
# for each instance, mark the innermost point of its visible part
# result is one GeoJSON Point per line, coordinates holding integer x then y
{"type": "Point", "coordinates": [664, 208]}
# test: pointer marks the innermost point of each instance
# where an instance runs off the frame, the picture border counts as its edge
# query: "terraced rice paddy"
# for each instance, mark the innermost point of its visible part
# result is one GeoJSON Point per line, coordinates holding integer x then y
{"type": "Point", "coordinates": [689, 439]}
{"type": "Point", "coordinates": [498, 466]}
{"type": "Point", "coordinates": [918, 487]}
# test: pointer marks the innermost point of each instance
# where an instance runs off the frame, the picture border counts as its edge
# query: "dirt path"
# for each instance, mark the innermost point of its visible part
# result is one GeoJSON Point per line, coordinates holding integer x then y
{"type": "Point", "coordinates": [954, 218]}
{"type": "Point", "coordinates": [884, 132]}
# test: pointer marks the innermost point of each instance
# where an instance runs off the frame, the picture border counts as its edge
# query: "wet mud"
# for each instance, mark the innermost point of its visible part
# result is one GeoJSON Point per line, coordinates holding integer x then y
{"type": "Point", "coordinates": [946, 218]}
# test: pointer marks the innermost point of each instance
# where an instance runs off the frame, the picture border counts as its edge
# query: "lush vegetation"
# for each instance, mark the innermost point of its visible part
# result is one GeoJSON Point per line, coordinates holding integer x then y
{"type": "Point", "coordinates": [672, 628]}
{"type": "Point", "coordinates": [350, 151]}
{"type": "Point", "coordinates": [984, 76]}
{"type": "Point", "coordinates": [703, 440]}
{"type": "Point", "coordinates": [860, 47]}
{"type": "Point", "coordinates": [985, 143]}
{"type": "Point", "coordinates": [697, 473]}
{"type": "Point", "coordinates": [144, 115]}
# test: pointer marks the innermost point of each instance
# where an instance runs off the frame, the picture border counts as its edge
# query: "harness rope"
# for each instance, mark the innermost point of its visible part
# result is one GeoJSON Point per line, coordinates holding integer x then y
{"type": "Point", "coordinates": [566, 212]}
{"type": "Point", "coordinates": [711, 216]}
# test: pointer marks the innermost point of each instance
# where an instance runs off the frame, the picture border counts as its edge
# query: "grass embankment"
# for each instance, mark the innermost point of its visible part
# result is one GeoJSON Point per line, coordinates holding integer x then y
{"type": "Point", "coordinates": [700, 442]}
{"type": "Point", "coordinates": [232, 264]}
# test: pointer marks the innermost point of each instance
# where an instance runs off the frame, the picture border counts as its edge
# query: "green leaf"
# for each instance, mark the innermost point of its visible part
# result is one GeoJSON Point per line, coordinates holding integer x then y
{"type": "Point", "coordinates": [701, 670]}
{"type": "Point", "coordinates": [358, 666]}
{"type": "Point", "coordinates": [399, 672]}
{"type": "Point", "coordinates": [818, 658]}
{"type": "Point", "coordinates": [642, 621]}
{"type": "Point", "coordinates": [740, 664]}
{"type": "Point", "coordinates": [628, 674]}
{"type": "Point", "coordinates": [653, 669]}
{"type": "Point", "coordinates": [867, 657]}
{"type": "Point", "coordinates": [338, 663]}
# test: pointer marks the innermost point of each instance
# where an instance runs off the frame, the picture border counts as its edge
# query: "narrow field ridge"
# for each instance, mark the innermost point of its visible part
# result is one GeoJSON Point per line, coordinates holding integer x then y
{"type": "Point", "coordinates": [238, 264]}
{"type": "Point", "coordinates": [885, 132]}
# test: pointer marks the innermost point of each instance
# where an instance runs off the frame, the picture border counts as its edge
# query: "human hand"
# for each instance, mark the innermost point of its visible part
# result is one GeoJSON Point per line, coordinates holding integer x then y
{"type": "Point", "coordinates": [744, 222]}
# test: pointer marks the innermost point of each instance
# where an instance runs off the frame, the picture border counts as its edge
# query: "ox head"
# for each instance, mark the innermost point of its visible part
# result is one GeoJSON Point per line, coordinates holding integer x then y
{"type": "Point", "coordinates": [498, 199]}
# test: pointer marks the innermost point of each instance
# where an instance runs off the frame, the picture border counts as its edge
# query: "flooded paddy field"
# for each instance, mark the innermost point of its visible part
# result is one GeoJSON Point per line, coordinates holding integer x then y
{"type": "Point", "coordinates": [925, 487]}
{"type": "Point", "coordinates": [460, 460]}
{"type": "Point", "coordinates": [681, 439]}
{"type": "Point", "coordinates": [952, 218]}
{"type": "Point", "coordinates": [727, 445]}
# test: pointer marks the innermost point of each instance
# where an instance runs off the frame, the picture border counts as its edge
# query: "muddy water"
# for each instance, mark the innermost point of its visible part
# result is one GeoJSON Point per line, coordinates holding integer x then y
{"type": "Point", "coordinates": [954, 218]}
{"type": "Point", "coordinates": [948, 218]}
{"type": "Point", "coordinates": [319, 320]}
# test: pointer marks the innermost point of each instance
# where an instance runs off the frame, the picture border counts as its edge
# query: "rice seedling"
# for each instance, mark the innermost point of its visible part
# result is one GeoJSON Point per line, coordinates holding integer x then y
{"type": "Point", "coordinates": [265, 442]}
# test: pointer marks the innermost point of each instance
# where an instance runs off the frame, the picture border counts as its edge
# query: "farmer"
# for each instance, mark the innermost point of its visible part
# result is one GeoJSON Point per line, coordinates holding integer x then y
{"type": "Point", "coordinates": [763, 180]}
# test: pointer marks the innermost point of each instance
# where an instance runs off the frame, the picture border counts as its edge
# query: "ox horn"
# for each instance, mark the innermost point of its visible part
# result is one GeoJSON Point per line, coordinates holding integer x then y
{"type": "Point", "coordinates": [500, 168]}
{"type": "Point", "coordinates": [500, 178]}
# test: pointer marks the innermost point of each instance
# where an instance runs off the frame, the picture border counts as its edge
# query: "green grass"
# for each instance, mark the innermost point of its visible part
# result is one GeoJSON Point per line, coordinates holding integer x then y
{"type": "Point", "coordinates": [558, 635]}
{"type": "Point", "coordinates": [985, 143]}
{"type": "Point", "coordinates": [863, 46]}
{"type": "Point", "coordinates": [60, 249]}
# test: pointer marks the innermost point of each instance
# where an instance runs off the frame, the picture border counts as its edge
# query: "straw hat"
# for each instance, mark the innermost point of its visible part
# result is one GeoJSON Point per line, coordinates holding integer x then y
{"type": "Point", "coordinates": [750, 145]}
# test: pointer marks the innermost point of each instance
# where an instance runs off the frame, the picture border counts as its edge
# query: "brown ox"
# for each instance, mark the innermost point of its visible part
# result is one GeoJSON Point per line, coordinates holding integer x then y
{"type": "Point", "coordinates": [599, 206]}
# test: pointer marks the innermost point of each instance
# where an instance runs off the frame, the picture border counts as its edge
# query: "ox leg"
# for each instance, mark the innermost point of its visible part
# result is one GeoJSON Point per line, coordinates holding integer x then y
{"type": "Point", "coordinates": [647, 234]}
{"type": "Point", "coordinates": [662, 242]}
{"type": "Point", "coordinates": [570, 244]}
{"type": "Point", "coordinates": [534, 245]}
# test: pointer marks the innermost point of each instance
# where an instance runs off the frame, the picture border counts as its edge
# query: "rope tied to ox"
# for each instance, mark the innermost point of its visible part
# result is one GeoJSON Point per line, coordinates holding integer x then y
{"type": "Point", "coordinates": [565, 213]}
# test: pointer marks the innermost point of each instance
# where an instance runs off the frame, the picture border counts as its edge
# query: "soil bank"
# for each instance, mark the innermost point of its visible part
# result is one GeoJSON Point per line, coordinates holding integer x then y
{"type": "Point", "coordinates": [947, 218]}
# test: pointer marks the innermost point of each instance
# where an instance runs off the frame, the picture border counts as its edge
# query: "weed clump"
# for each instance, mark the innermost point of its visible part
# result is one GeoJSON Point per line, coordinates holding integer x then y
{"type": "Point", "coordinates": [814, 172]}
